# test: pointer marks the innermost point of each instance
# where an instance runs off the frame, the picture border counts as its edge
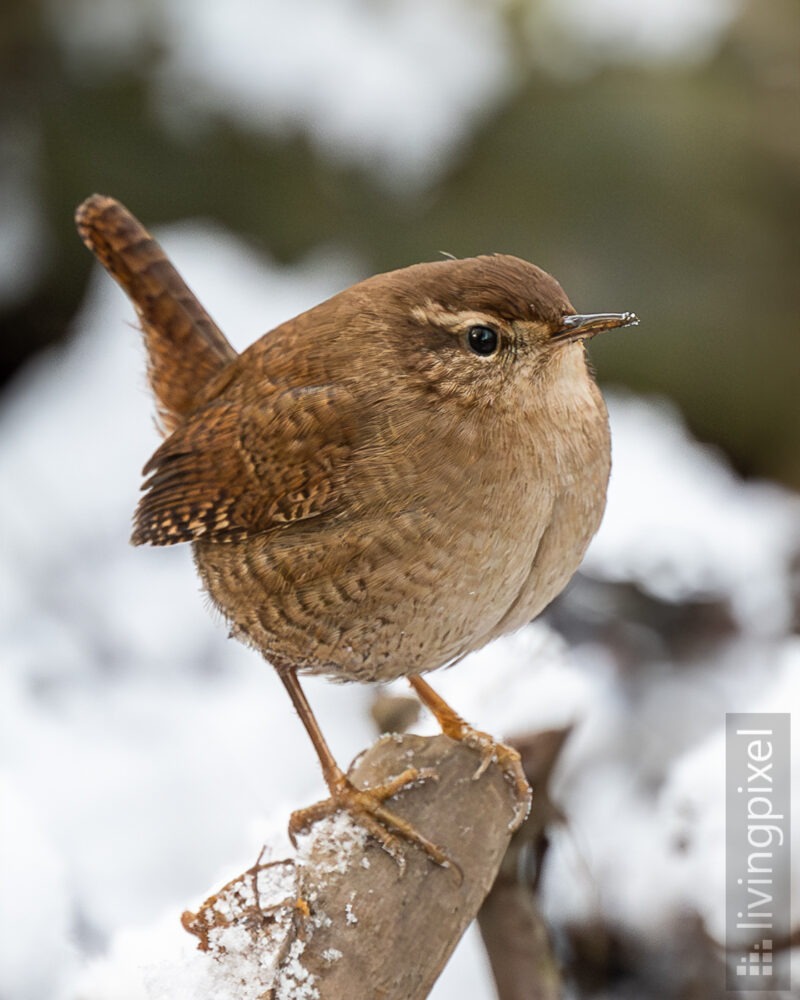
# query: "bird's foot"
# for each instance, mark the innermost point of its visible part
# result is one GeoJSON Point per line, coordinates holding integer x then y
{"type": "Point", "coordinates": [366, 807]}
{"type": "Point", "coordinates": [491, 751]}
{"type": "Point", "coordinates": [494, 752]}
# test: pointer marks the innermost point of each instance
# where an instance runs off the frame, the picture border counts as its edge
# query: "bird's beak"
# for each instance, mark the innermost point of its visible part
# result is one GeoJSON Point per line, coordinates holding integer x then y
{"type": "Point", "coordinates": [582, 327]}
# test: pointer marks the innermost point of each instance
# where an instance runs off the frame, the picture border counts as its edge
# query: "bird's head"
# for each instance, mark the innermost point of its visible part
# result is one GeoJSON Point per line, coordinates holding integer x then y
{"type": "Point", "coordinates": [481, 330]}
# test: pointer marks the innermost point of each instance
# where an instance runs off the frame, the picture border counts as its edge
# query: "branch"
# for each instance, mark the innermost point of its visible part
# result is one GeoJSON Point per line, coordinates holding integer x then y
{"type": "Point", "coordinates": [515, 933]}
{"type": "Point", "coordinates": [340, 920]}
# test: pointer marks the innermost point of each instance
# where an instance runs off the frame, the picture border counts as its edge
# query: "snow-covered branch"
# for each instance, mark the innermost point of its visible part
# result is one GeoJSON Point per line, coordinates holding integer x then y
{"type": "Point", "coordinates": [341, 919]}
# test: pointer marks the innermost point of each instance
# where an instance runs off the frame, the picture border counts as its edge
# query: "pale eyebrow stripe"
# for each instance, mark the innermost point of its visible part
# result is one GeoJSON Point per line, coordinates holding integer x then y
{"type": "Point", "coordinates": [435, 314]}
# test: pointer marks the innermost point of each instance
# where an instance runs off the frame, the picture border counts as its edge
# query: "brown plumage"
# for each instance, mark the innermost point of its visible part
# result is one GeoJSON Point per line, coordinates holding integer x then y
{"type": "Point", "coordinates": [384, 483]}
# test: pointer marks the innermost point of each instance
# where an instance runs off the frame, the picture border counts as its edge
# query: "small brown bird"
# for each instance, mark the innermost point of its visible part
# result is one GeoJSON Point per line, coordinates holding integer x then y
{"type": "Point", "coordinates": [381, 485]}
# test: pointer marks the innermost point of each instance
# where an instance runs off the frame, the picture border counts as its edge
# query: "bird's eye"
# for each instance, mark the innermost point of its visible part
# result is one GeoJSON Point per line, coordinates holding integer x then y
{"type": "Point", "coordinates": [482, 340]}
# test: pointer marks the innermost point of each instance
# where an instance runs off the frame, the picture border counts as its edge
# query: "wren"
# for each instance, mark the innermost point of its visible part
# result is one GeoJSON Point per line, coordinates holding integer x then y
{"type": "Point", "coordinates": [379, 486]}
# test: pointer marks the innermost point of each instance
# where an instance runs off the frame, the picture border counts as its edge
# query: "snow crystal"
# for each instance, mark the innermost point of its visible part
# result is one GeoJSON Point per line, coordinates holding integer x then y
{"type": "Point", "coordinates": [296, 982]}
{"type": "Point", "coordinates": [328, 847]}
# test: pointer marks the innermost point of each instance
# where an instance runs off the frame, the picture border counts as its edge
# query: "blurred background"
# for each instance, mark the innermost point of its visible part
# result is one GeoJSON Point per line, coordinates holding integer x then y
{"type": "Point", "coordinates": [646, 154]}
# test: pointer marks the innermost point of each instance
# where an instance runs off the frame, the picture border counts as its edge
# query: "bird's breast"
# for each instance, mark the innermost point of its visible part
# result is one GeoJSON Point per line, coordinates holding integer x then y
{"type": "Point", "coordinates": [430, 553]}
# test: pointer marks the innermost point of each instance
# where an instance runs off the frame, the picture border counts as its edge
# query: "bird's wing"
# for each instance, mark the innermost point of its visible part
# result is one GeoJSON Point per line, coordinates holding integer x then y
{"type": "Point", "coordinates": [236, 469]}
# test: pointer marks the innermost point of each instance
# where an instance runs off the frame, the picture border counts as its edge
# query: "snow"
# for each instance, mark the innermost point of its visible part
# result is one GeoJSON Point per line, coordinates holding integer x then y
{"type": "Point", "coordinates": [148, 759]}
{"type": "Point", "coordinates": [34, 902]}
{"type": "Point", "coordinates": [397, 87]}
{"type": "Point", "coordinates": [329, 845]}
{"type": "Point", "coordinates": [622, 30]}
{"type": "Point", "coordinates": [161, 962]}
{"type": "Point", "coordinates": [296, 982]}
{"type": "Point", "coordinates": [725, 538]}
{"type": "Point", "coordinates": [237, 958]}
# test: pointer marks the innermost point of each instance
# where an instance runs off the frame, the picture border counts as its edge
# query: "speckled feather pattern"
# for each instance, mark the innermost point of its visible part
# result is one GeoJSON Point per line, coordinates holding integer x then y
{"type": "Point", "coordinates": [366, 497]}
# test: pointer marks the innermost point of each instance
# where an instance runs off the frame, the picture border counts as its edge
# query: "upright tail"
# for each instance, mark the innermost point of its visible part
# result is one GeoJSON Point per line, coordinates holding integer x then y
{"type": "Point", "coordinates": [185, 347]}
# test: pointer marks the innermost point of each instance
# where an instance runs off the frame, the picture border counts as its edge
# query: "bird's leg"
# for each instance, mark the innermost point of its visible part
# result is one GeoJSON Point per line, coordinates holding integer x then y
{"type": "Point", "coordinates": [490, 750]}
{"type": "Point", "coordinates": [365, 805]}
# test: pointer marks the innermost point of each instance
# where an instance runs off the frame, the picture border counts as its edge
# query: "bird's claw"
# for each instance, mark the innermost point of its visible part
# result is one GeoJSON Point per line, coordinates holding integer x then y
{"type": "Point", "coordinates": [494, 752]}
{"type": "Point", "coordinates": [365, 807]}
